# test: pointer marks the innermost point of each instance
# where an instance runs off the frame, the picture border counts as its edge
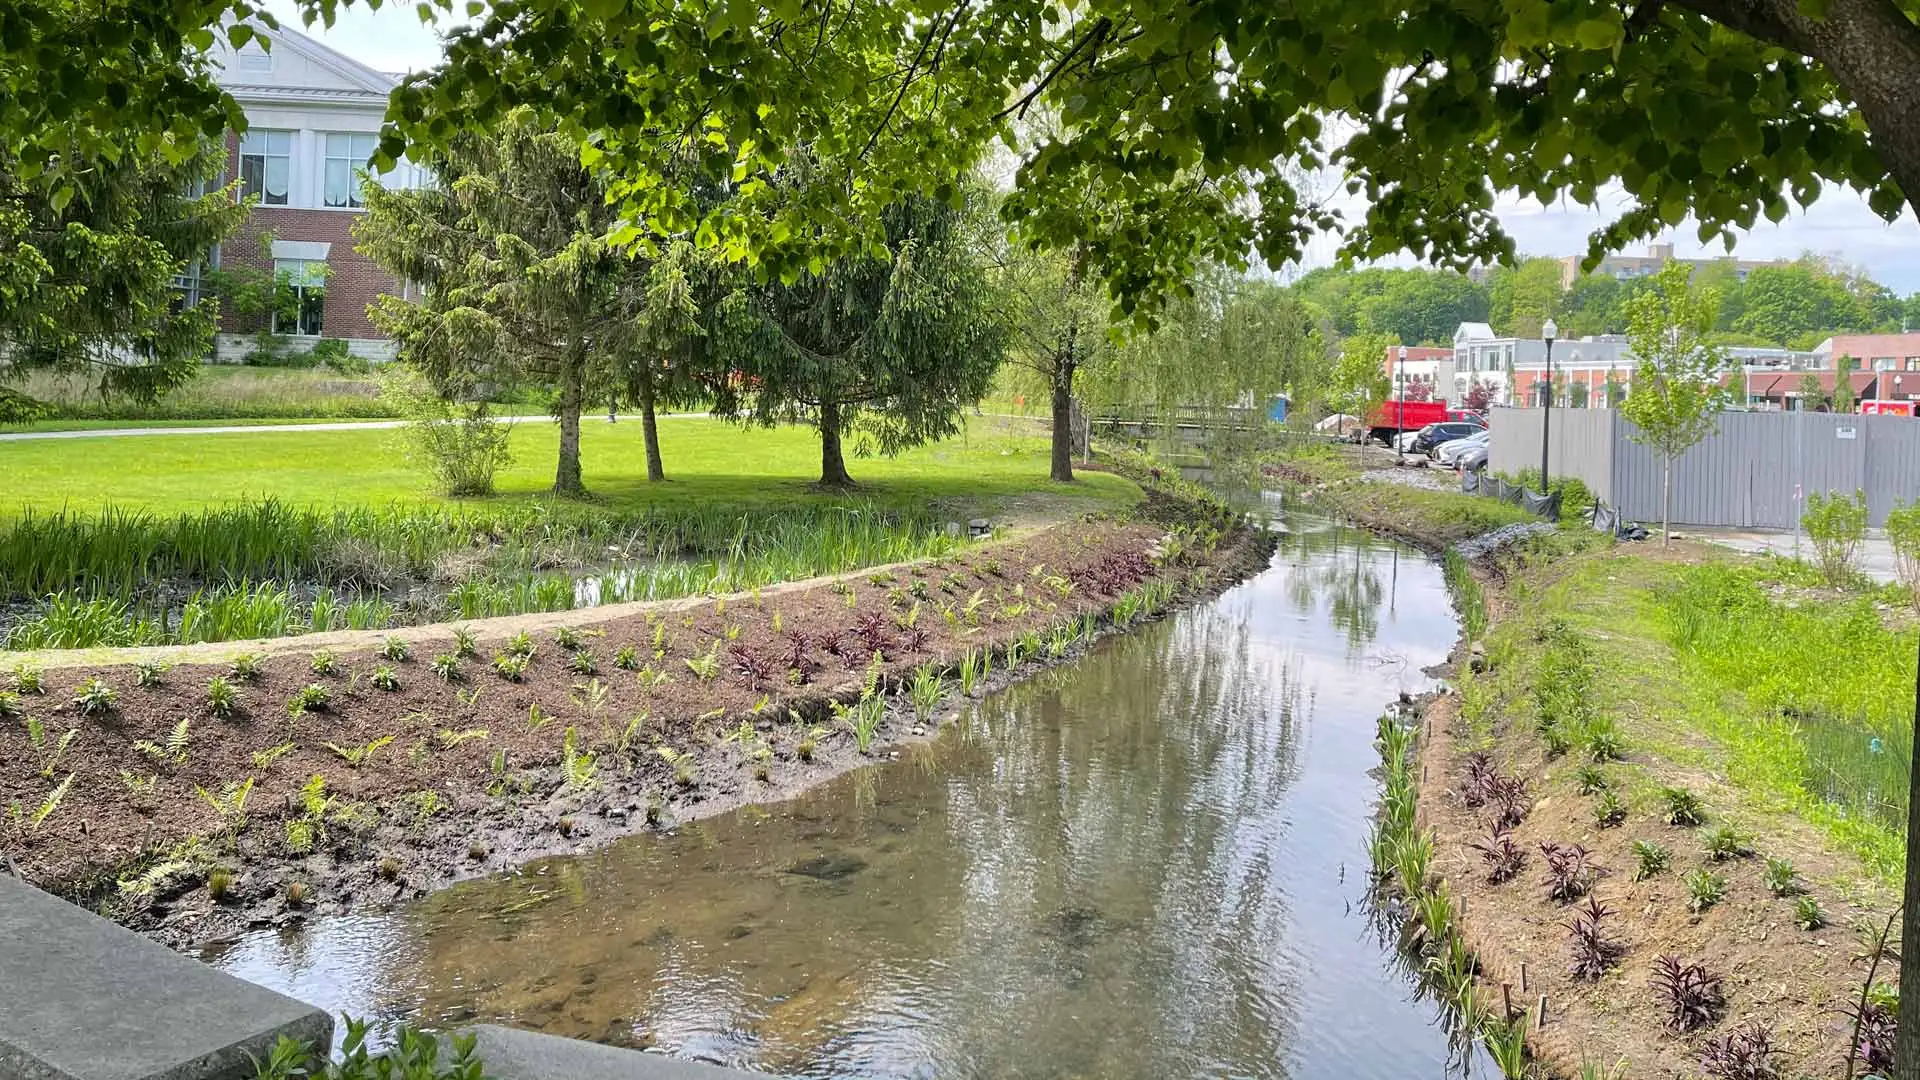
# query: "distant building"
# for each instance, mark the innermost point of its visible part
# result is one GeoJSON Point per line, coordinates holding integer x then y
{"type": "Point", "coordinates": [1628, 267]}
{"type": "Point", "coordinates": [1515, 369]}
{"type": "Point", "coordinates": [313, 120]}
{"type": "Point", "coordinates": [1871, 352]}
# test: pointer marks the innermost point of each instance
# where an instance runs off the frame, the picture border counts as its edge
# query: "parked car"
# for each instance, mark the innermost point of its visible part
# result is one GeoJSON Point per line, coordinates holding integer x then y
{"type": "Point", "coordinates": [1447, 453]}
{"type": "Point", "coordinates": [1405, 440]}
{"type": "Point", "coordinates": [1472, 459]}
{"type": "Point", "coordinates": [1435, 434]}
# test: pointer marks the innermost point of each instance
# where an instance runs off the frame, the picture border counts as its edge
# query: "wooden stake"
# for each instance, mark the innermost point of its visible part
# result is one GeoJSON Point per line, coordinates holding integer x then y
{"type": "Point", "coordinates": [1540, 1018]}
{"type": "Point", "coordinates": [1506, 998]}
{"type": "Point", "coordinates": [1523, 976]}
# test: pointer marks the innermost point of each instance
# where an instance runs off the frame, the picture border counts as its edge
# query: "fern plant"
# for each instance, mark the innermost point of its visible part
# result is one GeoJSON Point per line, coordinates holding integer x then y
{"type": "Point", "coordinates": [576, 766]}
{"type": "Point", "coordinates": [26, 823]}
{"type": "Point", "coordinates": [174, 749]}
{"type": "Point", "coordinates": [356, 756]}
{"type": "Point", "coordinates": [49, 750]}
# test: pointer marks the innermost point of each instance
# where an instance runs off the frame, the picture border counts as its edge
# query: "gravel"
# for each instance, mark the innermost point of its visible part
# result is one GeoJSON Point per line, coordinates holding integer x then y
{"type": "Point", "coordinates": [1490, 543]}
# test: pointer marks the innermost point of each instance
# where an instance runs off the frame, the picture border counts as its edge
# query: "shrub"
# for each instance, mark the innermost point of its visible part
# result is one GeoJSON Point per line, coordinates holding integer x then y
{"type": "Point", "coordinates": [459, 443]}
{"type": "Point", "coordinates": [1688, 994]}
{"type": "Point", "coordinates": [1836, 524]}
{"type": "Point", "coordinates": [1903, 530]}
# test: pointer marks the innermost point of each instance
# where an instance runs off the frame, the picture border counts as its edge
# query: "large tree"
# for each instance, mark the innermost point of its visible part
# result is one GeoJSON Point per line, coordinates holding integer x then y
{"type": "Point", "coordinates": [1056, 317]}
{"type": "Point", "coordinates": [522, 284]}
{"type": "Point", "coordinates": [887, 348]}
{"type": "Point", "coordinates": [96, 274]}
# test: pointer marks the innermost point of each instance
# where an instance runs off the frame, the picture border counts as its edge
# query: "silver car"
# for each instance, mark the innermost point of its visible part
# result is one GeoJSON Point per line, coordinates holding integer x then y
{"type": "Point", "coordinates": [1448, 453]}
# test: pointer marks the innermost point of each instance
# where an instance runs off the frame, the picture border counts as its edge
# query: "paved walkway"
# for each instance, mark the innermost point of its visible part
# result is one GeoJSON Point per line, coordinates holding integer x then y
{"type": "Point", "coordinates": [1875, 557]}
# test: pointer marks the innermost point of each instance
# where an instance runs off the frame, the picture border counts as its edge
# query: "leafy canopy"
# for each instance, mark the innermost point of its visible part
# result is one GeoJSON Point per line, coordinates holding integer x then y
{"type": "Point", "coordinates": [1677, 394]}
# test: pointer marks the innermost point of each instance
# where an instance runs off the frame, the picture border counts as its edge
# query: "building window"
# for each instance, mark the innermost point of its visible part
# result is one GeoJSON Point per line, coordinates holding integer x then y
{"type": "Point", "coordinates": [1913, 363]}
{"type": "Point", "coordinates": [346, 157]}
{"type": "Point", "coordinates": [266, 164]}
{"type": "Point", "coordinates": [304, 303]}
{"type": "Point", "coordinates": [1883, 363]}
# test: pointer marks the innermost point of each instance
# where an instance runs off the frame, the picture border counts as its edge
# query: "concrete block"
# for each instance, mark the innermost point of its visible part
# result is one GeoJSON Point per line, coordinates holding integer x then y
{"type": "Point", "coordinates": [512, 1054]}
{"type": "Point", "coordinates": [87, 999]}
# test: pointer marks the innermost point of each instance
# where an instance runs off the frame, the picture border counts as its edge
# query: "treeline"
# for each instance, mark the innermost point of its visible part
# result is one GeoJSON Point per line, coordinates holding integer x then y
{"type": "Point", "coordinates": [1792, 306]}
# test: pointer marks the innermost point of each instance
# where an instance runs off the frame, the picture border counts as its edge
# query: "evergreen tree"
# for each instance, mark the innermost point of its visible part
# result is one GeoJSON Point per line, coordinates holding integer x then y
{"type": "Point", "coordinates": [89, 281]}
{"type": "Point", "coordinates": [523, 285]}
{"type": "Point", "coordinates": [888, 349]}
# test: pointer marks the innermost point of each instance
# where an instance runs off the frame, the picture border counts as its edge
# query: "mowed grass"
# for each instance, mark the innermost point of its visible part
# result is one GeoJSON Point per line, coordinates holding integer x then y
{"type": "Point", "coordinates": [988, 469]}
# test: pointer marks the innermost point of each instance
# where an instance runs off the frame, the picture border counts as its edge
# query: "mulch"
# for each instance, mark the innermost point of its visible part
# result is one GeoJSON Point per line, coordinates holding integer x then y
{"type": "Point", "coordinates": [467, 777]}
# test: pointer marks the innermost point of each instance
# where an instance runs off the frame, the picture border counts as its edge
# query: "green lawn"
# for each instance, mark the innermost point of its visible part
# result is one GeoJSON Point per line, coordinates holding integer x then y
{"type": "Point", "coordinates": [106, 425]}
{"type": "Point", "coordinates": [985, 470]}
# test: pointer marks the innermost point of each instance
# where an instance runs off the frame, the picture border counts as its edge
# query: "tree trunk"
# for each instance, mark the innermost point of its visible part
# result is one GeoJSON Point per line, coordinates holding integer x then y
{"type": "Point", "coordinates": [573, 378]}
{"type": "Point", "coordinates": [1666, 501]}
{"type": "Point", "coordinates": [1906, 1044]}
{"type": "Point", "coordinates": [833, 464]}
{"type": "Point", "coordinates": [649, 433]}
{"type": "Point", "coordinates": [1063, 421]}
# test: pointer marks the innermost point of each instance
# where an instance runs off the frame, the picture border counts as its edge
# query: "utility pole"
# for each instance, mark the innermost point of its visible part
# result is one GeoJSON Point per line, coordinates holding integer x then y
{"type": "Point", "coordinates": [1549, 332]}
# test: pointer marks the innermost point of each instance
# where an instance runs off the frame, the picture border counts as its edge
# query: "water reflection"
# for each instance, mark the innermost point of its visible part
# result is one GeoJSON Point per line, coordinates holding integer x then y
{"type": "Point", "coordinates": [1144, 865]}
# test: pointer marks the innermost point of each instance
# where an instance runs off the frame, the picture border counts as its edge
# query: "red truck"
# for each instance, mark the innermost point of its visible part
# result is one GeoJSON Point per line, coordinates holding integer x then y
{"type": "Point", "coordinates": [1393, 417]}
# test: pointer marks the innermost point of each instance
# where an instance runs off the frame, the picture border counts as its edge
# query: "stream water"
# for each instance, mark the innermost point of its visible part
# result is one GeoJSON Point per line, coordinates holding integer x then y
{"type": "Point", "coordinates": [1149, 863]}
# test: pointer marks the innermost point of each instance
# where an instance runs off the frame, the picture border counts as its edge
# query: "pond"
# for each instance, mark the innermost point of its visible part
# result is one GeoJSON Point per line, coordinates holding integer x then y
{"type": "Point", "coordinates": [1148, 863]}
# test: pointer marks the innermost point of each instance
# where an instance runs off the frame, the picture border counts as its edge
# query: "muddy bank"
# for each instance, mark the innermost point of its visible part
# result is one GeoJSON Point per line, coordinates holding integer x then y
{"type": "Point", "coordinates": [1800, 982]}
{"type": "Point", "coordinates": [403, 775]}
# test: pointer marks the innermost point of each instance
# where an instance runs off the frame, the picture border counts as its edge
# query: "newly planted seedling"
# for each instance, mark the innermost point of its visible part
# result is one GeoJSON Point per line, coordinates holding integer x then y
{"type": "Point", "coordinates": [28, 680]}
{"type": "Point", "coordinates": [576, 766]}
{"type": "Point", "coordinates": [49, 750]}
{"type": "Point", "coordinates": [1704, 889]}
{"type": "Point", "coordinates": [1745, 1054]}
{"type": "Point", "coordinates": [1591, 779]}
{"type": "Point", "coordinates": [1807, 914]}
{"type": "Point", "coordinates": [627, 658]}
{"type": "Point", "coordinates": [264, 759]}
{"type": "Point", "coordinates": [569, 638]}
{"type": "Point", "coordinates": [1689, 995]}
{"type": "Point", "coordinates": [1504, 857]}
{"type": "Point", "coordinates": [1650, 858]}
{"type": "Point", "coordinates": [582, 662]}
{"type": "Point", "coordinates": [324, 663]}
{"type": "Point", "coordinates": [925, 692]}
{"type": "Point", "coordinates": [681, 763]}
{"type": "Point", "coordinates": [356, 756]}
{"type": "Point", "coordinates": [1683, 807]}
{"type": "Point", "coordinates": [310, 698]}
{"type": "Point", "coordinates": [1609, 810]}
{"type": "Point", "coordinates": [395, 649]}
{"type": "Point", "coordinates": [26, 823]}
{"type": "Point", "coordinates": [174, 750]}
{"type": "Point", "coordinates": [449, 738]}
{"type": "Point", "coordinates": [149, 673]}
{"type": "Point", "coordinates": [521, 644]}
{"type": "Point", "coordinates": [385, 678]}
{"type": "Point", "coordinates": [511, 666]}
{"type": "Point", "coordinates": [1593, 950]}
{"type": "Point", "coordinates": [1782, 879]}
{"type": "Point", "coordinates": [1725, 842]}
{"type": "Point", "coordinates": [230, 802]}
{"type": "Point", "coordinates": [245, 667]}
{"type": "Point", "coordinates": [705, 667]}
{"type": "Point", "coordinates": [447, 666]}
{"type": "Point", "coordinates": [94, 698]}
{"type": "Point", "coordinates": [1570, 874]}
{"type": "Point", "coordinates": [465, 643]}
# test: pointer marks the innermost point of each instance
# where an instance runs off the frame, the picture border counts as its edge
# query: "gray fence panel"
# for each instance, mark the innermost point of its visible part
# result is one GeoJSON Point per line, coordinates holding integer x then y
{"type": "Point", "coordinates": [1753, 473]}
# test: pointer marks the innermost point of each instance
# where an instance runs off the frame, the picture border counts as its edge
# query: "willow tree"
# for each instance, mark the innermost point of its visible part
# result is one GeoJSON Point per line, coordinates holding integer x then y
{"type": "Point", "coordinates": [1056, 315]}
{"type": "Point", "coordinates": [522, 285]}
{"type": "Point", "coordinates": [886, 349]}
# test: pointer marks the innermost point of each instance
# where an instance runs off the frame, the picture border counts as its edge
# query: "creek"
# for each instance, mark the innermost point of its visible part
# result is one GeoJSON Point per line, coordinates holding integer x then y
{"type": "Point", "coordinates": [1151, 862]}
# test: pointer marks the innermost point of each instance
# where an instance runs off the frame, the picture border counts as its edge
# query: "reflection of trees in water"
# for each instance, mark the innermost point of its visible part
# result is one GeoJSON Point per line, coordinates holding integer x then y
{"type": "Point", "coordinates": [1126, 847]}
{"type": "Point", "coordinates": [1342, 565]}
{"type": "Point", "coordinates": [1083, 883]}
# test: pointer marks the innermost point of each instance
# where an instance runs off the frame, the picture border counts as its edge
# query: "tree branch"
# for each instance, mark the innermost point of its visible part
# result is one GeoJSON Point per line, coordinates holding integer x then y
{"type": "Point", "coordinates": [1093, 36]}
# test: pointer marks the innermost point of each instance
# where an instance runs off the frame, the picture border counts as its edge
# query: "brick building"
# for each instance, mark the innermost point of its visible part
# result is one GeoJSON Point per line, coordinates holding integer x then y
{"type": "Point", "coordinates": [313, 120]}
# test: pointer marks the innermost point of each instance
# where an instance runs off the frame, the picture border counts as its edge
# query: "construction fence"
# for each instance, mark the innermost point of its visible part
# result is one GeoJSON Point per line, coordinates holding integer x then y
{"type": "Point", "coordinates": [1754, 472]}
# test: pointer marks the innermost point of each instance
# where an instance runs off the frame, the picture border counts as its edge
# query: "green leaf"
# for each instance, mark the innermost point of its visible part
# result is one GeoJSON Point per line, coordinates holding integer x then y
{"type": "Point", "coordinates": [1597, 34]}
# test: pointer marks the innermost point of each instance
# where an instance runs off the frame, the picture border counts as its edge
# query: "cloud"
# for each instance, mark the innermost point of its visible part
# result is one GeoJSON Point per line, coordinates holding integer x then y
{"type": "Point", "coordinates": [1838, 224]}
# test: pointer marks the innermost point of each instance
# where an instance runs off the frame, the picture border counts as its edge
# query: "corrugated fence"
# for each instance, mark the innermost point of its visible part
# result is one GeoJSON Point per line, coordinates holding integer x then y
{"type": "Point", "coordinates": [1752, 473]}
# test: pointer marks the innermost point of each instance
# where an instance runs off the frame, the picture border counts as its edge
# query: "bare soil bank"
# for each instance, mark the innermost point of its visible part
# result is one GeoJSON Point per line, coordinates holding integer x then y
{"type": "Point", "coordinates": [381, 794]}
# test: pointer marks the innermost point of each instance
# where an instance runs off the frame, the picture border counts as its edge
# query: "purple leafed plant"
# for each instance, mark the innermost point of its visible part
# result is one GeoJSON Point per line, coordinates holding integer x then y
{"type": "Point", "coordinates": [1569, 873]}
{"type": "Point", "coordinates": [1593, 951]}
{"type": "Point", "coordinates": [796, 657]}
{"type": "Point", "coordinates": [758, 669]}
{"type": "Point", "coordinates": [1874, 1049]}
{"type": "Point", "coordinates": [832, 642]}
{"type": "Point", "coordinates": [1477, 787]}
{"type": "Point", "coordinates": [1503, 857]}
{"type": "Point", "coordinates": [1746, 1054]}
{"type": "Point", "coordinates": [913, 639]}
{"type": "Point", "coordinates": [1688, 993]}
{"type": "Point", "coordinates": [1507, 795]}
{"type": "Point", "coordinates": [874, 632]}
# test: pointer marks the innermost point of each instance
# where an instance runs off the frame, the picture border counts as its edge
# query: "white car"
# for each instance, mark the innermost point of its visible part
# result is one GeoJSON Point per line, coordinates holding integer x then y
{"type": "Point", "coordinates": [1448, 453]}
{"type": "Point", "coordinates": [1405, 440]}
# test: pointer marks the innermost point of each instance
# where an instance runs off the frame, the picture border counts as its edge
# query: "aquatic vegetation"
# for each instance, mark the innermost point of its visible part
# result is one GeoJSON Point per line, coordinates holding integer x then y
{"type": "Point", "coordinates": [925, 691]}
{"type": "Point", "coordinates": [1688, 994]}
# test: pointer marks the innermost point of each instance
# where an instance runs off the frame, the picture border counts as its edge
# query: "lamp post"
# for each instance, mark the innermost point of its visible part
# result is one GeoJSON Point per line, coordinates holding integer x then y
{"type": "Point", "coordinates": [1548, 332]}
{"type": "Point", "coordinates": [1400, 405]}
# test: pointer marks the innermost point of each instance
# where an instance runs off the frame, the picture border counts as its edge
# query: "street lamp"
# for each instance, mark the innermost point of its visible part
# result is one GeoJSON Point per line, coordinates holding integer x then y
{"type": "Point", "coordinates": [1548, 332]}
{"type": "Point", "coordinates": [1400, 405]}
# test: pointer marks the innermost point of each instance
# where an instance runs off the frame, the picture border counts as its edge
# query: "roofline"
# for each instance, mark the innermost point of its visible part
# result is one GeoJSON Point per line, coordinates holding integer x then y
{"type": "Point", "coordinates": [369, 79]}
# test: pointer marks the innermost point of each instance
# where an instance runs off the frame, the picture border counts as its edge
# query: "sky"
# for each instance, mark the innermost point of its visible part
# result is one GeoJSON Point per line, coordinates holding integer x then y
{"type": "Point", "coordinates": [1838, 225]}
